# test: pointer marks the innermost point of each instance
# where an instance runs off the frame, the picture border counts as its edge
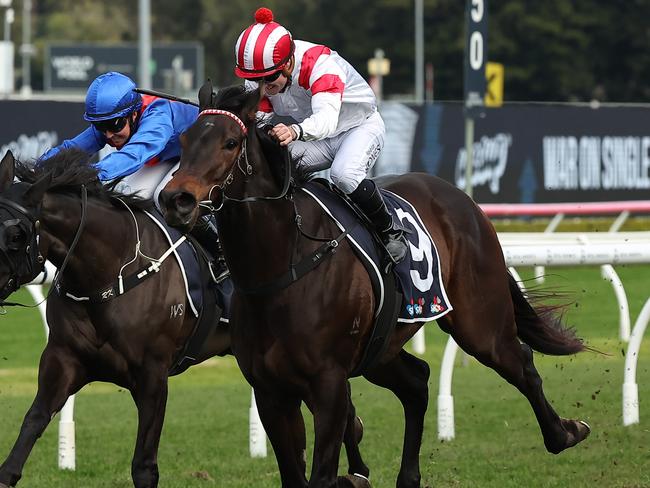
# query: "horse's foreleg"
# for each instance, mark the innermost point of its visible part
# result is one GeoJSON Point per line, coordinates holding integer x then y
{"type": "Point", "coordinates": [59, 376]}
{"type": "Point", "coordinates": [407, 377]}
{"type": "Point", "coordinates": [150, 396]}
{"type": "Point", "coordinates": [352, 438]}
{"type": "Point", "coordinates": [285, 427]}
{"type": "Point", "coordinates": [330, 401]}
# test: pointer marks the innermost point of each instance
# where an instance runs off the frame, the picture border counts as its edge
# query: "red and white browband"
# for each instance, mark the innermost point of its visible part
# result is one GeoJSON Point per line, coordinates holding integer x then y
{"type": "Point", "coordinates": [216, 111]}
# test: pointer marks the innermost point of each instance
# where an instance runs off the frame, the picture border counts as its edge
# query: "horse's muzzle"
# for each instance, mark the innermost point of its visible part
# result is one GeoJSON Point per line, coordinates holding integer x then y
{"type": "Point", "coordinates": [179, 208]}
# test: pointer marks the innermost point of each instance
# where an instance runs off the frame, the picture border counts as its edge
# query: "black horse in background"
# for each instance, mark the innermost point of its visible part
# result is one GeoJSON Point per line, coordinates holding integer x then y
{"type": "Point", "coordinates": [132, 340]}
{"type": "Point", "coordinates": [300, 340]}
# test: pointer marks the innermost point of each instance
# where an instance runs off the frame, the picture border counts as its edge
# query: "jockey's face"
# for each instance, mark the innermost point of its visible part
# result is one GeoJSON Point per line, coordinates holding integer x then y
{"type": "Point", "coordinates": [120, 138]}
{"type": "Point", "coordinates": [276, 83]}
{"type": "Point", "coordinates": [276, 86]}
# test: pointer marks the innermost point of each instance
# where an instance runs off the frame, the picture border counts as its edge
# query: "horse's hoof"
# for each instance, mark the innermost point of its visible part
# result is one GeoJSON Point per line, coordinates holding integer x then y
{"type": "Point", "coordinates": [2, 485]}
{"type": "Point", "coordinates": [358, 429]}
{"type": "Point", "coordinates": [353, 481]}
{"type": "Point", "coordinates": [576, 432]}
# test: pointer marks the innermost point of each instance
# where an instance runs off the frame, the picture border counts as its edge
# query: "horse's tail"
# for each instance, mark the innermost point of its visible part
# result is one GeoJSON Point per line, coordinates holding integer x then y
{"type": "Point", "coordinates": [541, 326]}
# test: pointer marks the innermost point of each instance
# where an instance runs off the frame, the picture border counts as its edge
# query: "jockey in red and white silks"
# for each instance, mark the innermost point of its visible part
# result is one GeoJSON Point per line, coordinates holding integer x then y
{"type": "Point", "coordinates": [338, 125]}
{"type": "Point", "coordinates": [336, 112]}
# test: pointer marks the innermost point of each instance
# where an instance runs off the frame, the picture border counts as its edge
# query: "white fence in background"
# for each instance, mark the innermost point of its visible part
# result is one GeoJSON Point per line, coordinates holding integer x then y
{"type": "Point", "coordinates": [520, 249]}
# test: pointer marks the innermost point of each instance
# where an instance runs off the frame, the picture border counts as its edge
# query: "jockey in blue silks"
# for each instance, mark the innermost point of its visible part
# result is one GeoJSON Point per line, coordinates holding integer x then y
{"type": "Point", "coordinates": [145, 132]}
{"type": "Point", "coordinates": [143, 129]}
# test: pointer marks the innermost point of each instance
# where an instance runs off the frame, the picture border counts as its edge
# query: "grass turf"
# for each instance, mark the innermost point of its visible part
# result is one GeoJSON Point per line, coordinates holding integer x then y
{"type": "Point", "coordinates": [497, 444]}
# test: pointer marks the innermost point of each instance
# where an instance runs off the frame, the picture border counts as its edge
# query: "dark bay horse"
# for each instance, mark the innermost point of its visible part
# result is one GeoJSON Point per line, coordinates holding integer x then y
{"type": "Point", "coordinates": [132, 340]}
{"type": "Point", "coordinates": [300, 342]}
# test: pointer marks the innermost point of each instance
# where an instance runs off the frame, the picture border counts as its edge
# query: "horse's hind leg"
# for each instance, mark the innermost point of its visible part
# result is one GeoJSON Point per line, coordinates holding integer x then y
{"type": "Point", "coordinates": [407, 377]}
{"type": "Point", "coordinates": [59, 376]}
{"type": "Point", "coordinates": [285, 427]}
{"type": "Point", "coordinates": [150, 397]}
{"type": "Point", "coordinates": [496, 345]}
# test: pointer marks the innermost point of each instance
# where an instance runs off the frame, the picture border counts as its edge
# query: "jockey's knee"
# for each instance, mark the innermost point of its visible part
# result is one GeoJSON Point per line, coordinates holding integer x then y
{"type": "Point", "coordinates": [346, 181]}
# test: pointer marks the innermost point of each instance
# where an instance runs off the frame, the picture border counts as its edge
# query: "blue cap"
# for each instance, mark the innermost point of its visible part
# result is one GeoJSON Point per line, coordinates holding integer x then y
{"type": "Point", "coordinates": [110, 96]}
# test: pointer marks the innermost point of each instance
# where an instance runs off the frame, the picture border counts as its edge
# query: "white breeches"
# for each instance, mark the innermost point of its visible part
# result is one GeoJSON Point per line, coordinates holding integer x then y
{"type": "Point", "coordinates": [348, 155]}
{"type": "Point", "coordinates": [148, 181]}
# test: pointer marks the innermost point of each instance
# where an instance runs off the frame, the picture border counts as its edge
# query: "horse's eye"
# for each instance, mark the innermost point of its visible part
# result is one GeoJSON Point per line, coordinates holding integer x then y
{"type": "Point", "coordinates": [231, 144]}
{"type": "Point", "coordinates": [15, 238]}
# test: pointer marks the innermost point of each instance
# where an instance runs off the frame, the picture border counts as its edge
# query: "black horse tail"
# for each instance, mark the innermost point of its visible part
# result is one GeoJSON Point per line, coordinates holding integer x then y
{"type": "Point", "coordinates": [541, 326]}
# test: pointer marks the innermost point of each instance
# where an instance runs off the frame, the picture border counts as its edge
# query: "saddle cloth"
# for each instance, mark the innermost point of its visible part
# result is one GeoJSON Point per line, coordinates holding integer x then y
{"type": "Point", "coordinates": [188, 261]}
{"type": "Point", "coordinates": [418, 275]}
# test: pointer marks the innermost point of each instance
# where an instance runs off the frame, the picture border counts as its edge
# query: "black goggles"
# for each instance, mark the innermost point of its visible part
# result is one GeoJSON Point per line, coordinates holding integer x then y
{"type": "Point", "coordinates": [268, 78]}
{"type": "Point", "coordinates": [111, 125]}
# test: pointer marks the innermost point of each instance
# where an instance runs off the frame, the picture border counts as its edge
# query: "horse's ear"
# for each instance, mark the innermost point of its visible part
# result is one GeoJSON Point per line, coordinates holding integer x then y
{"type": "Point", "coordinates": [7, 170]}
{"type": "Point", "coordinates": [206, 95]}
{"type": "Point", "coordinates": [251, 105]}
{"type": "Point", "coordinates": [35, 192]}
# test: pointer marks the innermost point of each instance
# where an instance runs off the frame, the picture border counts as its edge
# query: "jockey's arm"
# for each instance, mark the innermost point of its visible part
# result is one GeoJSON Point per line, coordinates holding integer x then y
{"type": "Point", "coordinates": [322, 123]}
{"type": "Point", "coordinates": [326, 83]}
{"type": "Point", "coordinates": [154, 131]}
{"type": "Point", "coordinates": [90, 140]}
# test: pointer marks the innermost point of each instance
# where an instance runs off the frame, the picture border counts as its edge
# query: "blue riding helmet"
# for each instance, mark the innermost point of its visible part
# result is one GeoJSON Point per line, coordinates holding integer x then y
{"type": "Point", "coordinates": [110, 96]}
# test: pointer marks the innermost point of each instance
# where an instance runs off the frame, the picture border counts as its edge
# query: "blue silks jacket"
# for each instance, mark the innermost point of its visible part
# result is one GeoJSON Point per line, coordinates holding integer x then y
{"type": "Point", "coordinates": [155, 139]}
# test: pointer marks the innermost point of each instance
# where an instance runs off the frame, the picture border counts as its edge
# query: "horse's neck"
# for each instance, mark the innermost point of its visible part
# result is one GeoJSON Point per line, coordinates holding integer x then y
{"type": "Point", "coordinates": [258, 237]}
{"type": "Point", "coordinates": [102, 242]}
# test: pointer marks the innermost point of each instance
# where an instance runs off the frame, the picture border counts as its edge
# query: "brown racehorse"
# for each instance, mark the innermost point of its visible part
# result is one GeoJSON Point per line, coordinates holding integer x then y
{"type": "Point", "coordinates": [300, 342]}
{"type": "Point", "coordinates": [132, 340]}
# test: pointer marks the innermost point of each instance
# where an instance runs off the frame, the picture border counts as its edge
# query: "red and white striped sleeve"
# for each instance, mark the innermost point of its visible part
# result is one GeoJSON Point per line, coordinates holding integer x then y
{"type": "Point", "coordinates": [320, 74]}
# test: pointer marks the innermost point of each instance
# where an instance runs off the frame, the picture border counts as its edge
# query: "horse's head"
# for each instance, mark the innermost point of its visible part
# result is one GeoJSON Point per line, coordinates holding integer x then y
{"type": "Point", "coordinates": [213, 150]}
{"type": "Point", "coordinates": [20, 257]}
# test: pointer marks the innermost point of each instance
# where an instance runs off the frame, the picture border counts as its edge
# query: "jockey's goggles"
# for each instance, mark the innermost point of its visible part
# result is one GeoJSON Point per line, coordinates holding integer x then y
{"type": "Point", "coordinates": [268, 78]}
{"type": "Point", "coordinates": [112, 125]}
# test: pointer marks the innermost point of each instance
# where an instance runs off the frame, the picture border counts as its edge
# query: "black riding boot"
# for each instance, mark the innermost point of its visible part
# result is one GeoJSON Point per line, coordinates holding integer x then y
{"type": "Point", "coordinates": [368, 198]}
{"type": "Point", "coordinates": [205, 231]}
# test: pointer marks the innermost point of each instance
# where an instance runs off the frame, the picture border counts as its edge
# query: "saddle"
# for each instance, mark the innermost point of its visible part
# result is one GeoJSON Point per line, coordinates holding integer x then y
{"type": "Point", "coordinates": [412, 290]}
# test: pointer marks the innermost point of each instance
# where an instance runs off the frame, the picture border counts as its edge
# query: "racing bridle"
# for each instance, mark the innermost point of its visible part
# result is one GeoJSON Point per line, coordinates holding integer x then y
{"type": "Point", "coordinates": [247, 171]}
{"type": "Point", "coordinates": [19, 245]}
{"type": "Point", "coordinates": [19, 238]}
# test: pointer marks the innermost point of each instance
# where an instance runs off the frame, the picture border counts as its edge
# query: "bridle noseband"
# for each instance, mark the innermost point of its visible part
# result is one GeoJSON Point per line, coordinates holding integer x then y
{"type": "Point", "coordinates": [248, 171]}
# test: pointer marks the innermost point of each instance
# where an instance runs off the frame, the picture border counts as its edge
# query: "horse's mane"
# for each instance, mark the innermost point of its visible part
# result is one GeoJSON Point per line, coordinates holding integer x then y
{"type": "Point", "coordinates": [69, 169]}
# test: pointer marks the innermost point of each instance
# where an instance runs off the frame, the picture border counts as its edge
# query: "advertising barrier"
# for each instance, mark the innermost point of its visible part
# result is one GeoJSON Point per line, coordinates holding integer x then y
{"type": "Point", "coordinates": [523, 153]}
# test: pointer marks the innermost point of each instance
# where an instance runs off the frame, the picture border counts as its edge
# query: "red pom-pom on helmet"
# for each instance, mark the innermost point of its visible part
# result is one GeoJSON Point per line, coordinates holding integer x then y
{"type": "Point", "coordinates": [263, 15]}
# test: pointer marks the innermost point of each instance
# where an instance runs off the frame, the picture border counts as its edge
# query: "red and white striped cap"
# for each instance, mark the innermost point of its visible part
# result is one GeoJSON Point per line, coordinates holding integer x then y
{"type": "Point", "coordinates": [264, 48]}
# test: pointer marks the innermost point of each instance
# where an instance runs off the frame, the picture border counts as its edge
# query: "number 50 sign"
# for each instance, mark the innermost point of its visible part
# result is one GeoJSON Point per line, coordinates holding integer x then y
{"type": "Point", "coordinates": [475, 56]}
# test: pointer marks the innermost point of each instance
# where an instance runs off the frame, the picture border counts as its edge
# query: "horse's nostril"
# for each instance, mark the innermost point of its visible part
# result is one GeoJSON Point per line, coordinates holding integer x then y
{"type": "Point", "coordinates": [184, 202]}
